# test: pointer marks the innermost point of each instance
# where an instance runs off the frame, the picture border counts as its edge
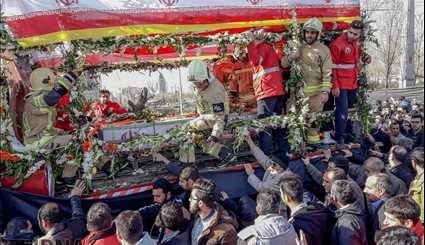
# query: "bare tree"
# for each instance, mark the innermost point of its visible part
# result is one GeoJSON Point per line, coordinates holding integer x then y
{"type": "Point", "coordinates": [391, 38]}
{"type": "Point", "coordinates": [419, 46]}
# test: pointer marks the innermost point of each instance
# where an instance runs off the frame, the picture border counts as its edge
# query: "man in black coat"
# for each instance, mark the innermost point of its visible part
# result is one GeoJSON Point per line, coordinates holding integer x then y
{"type": "Point", "coordinates": [174, 228]}
{"type": "Point", "coordinates": [313, 219]}
{"type": "Point", "coordinates": [350, 226]}
{"type": "Point", "coordinates": [417, 130]}
{"type": "Point", "coordinates": [399, 165]}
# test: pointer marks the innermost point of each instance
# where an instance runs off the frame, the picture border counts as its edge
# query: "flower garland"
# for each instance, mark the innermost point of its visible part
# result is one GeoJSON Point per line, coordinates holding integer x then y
{"type": "Point", "coordinates": [363, 105]}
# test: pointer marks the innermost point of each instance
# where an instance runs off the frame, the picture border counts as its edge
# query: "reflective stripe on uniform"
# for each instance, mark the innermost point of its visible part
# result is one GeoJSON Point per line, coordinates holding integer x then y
{"type": "Point", "coordinates": [271, 70]}
{"type": "Point", "coordinates": [42, 142]}
{"type": "Point", "coordinates": [38, 101]}
{"type": "Point", "coordinates": [313, 138]}
{"type": "Point", "coordinates": [326, 86]}
{"type": "Point", "coordinates": [64, 84]}
{"type": "Point", "coordinates": [313, 89]}
{"type": "Point", "coordinates": [344, 66]}
{"type": "Point", "coordinates": [27, 127]}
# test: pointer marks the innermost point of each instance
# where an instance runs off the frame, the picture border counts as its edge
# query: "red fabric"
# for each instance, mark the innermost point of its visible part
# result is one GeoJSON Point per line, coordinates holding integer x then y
{"type": "Point", "coordinates": [64, 121]}
{"type": "Point", "coordinates": [36, 184]}
{"type": "Point", "coordinates": [345, 53]}
{"type": "Point", "coordinates": [264, 56]}
{"type": "Point", "coordinates": [419, 230]}
{"type": "Point", "coordinates": [46, 22]}
{"type": "Point", "coordinates": [63, 118]}
{"type": "Point", "coordinates": [108, 108]}
{"type": "Point", "coordinates": [222, 69]}
{"type": "Point", "coordinates": [109, 240]}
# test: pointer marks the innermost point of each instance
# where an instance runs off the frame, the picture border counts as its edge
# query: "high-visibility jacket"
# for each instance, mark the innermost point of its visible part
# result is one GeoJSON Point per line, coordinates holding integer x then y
{"type": "Point", "coordinates": [237, 78]}
{"type": "Point", "coordinates": [268, 81]}
{"type": "Point", "coordinates": [40, 112]}
{"type": "Point", "coordinates": [346, 58]}
{"type": "Point", "coordinates": [316, 66]}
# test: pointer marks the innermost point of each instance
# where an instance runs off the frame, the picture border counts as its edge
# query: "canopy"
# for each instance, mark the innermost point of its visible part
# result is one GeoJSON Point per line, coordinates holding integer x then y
{"type": "Point", "coordinates": [41, 22]}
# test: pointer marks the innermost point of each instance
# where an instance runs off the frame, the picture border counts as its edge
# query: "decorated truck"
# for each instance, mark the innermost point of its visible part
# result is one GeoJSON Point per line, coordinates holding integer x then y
{"type": "Point", "coordinates": [99, 37]}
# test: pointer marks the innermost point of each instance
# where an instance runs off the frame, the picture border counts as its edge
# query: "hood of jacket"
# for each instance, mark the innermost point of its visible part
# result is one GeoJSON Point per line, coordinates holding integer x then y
{"type": "Point", "coordinates": [352, 209]}
{"type": "Point", "coordinates": [272, 226]}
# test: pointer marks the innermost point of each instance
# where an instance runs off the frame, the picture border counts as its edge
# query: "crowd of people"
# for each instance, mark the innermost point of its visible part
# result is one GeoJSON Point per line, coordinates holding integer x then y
{"type": "Point", "coordinates": [359, 197]}
{"type": "Point", "coordinates": [371, 195]}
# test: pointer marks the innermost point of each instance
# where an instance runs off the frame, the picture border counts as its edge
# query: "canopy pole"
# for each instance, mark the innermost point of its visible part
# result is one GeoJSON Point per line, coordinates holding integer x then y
{"type": "Point", "coordinates": [181, 92]}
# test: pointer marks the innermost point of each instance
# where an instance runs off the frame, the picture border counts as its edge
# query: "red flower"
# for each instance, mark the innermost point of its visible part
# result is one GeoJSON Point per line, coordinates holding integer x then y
{"type": "Point", "coordinates": [111, 147]}
{"type": "Point", "coordinates": [7, 156]}
{"type": "Point", "coordinates": [65, 100]}
{"type": "Point", "coordinates": [86, 108]}
{"type": "Point", "coordinates": [87, 145]}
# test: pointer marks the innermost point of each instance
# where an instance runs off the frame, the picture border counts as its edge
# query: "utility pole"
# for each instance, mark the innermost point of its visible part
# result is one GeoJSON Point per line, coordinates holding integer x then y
{"type": "Point", "coordinates": [180, 92]}
{"type": "Point", "coordinates": [409, 60]}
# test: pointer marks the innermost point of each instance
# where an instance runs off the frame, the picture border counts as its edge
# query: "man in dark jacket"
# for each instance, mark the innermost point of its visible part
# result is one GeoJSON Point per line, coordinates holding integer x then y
{"type": "Point", "coordinates": [418, 130]}
{"type": "Point", "coordinates": [377, 190]}
{"type": "Point", "coordinates": [161, 194]}
{"type": "Point", "coordinates": [373, 166]}
{"type": "Point", "coordinates": [350, 226]}
{"type": "Point", "coordinates": [174, 228]}
{"type": "Point", "coordinates": [51, 222]}
{"type": "Point", "coordinates": [187, 177]}
{"type": "Point", "coordinates": [399, 165]}
{"type": "Point", "coordinates": [313, 219]}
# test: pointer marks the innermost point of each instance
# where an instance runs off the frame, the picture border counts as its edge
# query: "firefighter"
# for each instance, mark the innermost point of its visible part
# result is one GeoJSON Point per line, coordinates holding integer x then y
{"type": "Point", "coordinates": [316, 65]}
{"type": "Point", "coordinates": [346, 55]}
{"type": "Point", "coordinates": [269, 91]}
{"type": "Point", "coordinates": [40, 113]}
{"type": "Point", "coordinates": [212, 105]}
{"type": "Point", "coordinates": [40, 109]}
{"type": "Point", "coordinates": [236, 74]}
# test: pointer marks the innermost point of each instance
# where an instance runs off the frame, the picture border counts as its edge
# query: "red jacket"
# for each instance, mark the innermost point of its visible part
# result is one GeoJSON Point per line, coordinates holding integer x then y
{"type": "Point", "coordinates": [346, 58]}
{"type": "Point", "coordinates": [268, 80]}
{"type": "Point", "coordinates": [106, 240]}
{"type": "Point", "coordinates": [419, 230]}
{"type": "Point", "coordinates": [108, 108]}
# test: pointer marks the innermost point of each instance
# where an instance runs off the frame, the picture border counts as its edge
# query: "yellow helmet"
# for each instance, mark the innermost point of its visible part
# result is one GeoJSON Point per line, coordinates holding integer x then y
{"type": "Point", "coordinates": [313, 24]}
{"type": "Point", "coordinates": [198, 71]}
{"type": "Point", "coordinates": [42, 79]}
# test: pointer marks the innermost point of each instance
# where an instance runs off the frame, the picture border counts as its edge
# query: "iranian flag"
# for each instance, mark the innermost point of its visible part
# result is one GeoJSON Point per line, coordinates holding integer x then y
{"type": "Point", "coordinates": [41, 22]}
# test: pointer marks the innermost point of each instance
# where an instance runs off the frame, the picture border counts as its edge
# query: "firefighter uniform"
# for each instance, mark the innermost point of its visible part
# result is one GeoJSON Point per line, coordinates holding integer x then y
{"type": "Point", "coordinates": [316, 65]}
{"type": "Point", "coordinates": [212, 105]}
{"type": "Point", "coordinates": [40, 113]}
{"type": "Point", "coordinates": [237, 78]}
{"type": "Point", "coordinates": [40, 109]}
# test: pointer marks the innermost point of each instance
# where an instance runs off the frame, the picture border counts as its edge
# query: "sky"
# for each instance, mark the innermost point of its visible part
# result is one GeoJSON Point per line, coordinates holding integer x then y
{"type": "Point", "coordinates": [116, 80]}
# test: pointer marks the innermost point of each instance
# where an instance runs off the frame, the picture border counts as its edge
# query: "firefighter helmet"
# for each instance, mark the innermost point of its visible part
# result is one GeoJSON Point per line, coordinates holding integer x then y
{"type": "Point", "coordinates": [42, 79]}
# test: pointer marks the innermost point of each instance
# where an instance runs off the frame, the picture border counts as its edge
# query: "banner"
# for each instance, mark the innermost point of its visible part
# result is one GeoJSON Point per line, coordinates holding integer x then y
{"type": "Point", "coordinates": [40, 22]}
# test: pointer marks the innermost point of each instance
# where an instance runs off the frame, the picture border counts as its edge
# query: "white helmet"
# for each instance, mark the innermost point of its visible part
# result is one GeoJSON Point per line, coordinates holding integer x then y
{"type": "Point", "coordinates": [42, 79]}
{"type": "Point", "coordinates": [198, 71]}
